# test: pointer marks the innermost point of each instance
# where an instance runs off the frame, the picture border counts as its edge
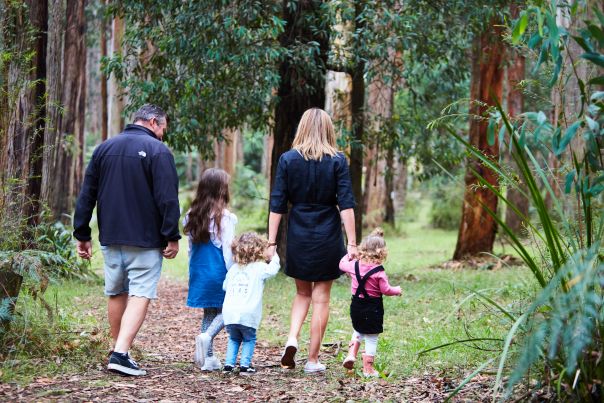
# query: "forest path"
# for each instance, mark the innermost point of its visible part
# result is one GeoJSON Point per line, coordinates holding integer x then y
{"type": "Point", "coordinates": [167, 344]}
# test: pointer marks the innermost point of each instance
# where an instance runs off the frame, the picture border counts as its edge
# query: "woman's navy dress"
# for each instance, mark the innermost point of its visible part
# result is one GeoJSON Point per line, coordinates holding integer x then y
{"type": "Point", "coordinates": [315, 190]}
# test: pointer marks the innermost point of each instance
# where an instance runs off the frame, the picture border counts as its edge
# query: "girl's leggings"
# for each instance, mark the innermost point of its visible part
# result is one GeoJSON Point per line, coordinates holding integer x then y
{"type": "Point", "coordinates": [370, 341]}
{"type": "Point", "coordinates": [212, 324]}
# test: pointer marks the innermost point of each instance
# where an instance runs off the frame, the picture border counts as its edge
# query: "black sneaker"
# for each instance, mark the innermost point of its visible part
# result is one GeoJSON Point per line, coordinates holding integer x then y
{"type": "Point", "coordinates": [227, 369]}
{"type": "Point", "coordinates": [247, 370]}
{"type": "Point", "coordinates": [123, 364]}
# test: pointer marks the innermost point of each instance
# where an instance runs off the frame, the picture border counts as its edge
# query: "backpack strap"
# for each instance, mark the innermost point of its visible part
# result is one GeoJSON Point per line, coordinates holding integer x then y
{"type": "Point", "coordinates": [363, 280]}
{"type": "Point", "coordinates": [361, 286]}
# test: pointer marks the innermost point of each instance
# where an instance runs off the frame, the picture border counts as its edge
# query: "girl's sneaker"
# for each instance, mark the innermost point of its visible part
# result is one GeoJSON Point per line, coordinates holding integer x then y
{"type": "Point", "coordinates": [247, 370]}
{"type": "Point", "coordinates": [288, 358]}
{"type": "Point", "coordinates": [202, 343]}
{"type": "Point", "coordinates": [313, 367]}
{"type": "Point", "coordinates": [211, 364]}
{"type": "Point", "coordinates": [227, 369]}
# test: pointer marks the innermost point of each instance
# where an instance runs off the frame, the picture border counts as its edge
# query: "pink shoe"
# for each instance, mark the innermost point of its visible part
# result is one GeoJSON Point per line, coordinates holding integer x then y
{"type": "Point", "coordinates": [368, 370]}
{"type": "Point", "coordinates": [353, 351]}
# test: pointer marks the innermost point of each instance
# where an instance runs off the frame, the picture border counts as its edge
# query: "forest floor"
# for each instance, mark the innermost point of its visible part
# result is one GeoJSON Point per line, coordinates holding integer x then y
{"type": "Point", "coordinates": [66, 359]}
{"type": "Point", "coordinates": [164, 347]}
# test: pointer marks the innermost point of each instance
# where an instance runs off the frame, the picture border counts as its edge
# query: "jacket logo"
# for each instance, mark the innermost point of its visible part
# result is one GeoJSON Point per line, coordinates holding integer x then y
{"type": "Point", "coordinates": [142, 154]}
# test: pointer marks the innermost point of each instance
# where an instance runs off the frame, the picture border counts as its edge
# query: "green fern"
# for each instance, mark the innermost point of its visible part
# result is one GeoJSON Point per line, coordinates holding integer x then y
{"type": "Point", "coordinates": [572, 312]}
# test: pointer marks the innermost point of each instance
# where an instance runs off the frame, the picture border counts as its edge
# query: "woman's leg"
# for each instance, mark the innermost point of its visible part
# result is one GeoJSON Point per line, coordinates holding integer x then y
{"type": "Point", "coordinates": [304, 291]}
{"type": "Point", "coordinates": [320, 314]}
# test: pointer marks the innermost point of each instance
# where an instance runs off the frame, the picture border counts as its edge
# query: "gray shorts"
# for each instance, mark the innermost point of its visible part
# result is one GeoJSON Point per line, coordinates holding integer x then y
{"type": "Point", "coordinates": [132, 270]}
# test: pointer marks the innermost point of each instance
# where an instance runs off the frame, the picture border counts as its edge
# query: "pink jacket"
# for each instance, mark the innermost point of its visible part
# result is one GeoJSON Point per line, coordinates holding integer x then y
{"type": "Point", "coordinates": [375, 286]}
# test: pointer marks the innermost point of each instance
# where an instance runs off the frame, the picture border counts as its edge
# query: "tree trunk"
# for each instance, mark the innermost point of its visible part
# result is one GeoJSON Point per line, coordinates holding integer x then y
{"type": "Point", "coordinates": [226, 151]}
{"type": "Point", "coordinates": [116, 100]}
{"type": "Point", "coordinates": [79, 113]}
{"type": "Point", "coordinates": [390, 180]}
{"type": "Point", "coordinates": [400, 184]}
{"type": "Point", "coordinates": [477, 229]}
{"type": "Point", "coordinates": [294, 100]}
{"type": "Point", "coordinates": [379, 163]}
{"type": "Point", "coordinates": [66, 66]}
{"type": "Point", "coordinates": [266, 156]}
{"type": "Point", "coordinates": [357, 104]}
{"type": "Point", "coordinates": [516, 73]}
{"type": "Point", "coordinates": [23, 119]}
{"type": "Point", "coordinates": [53, 166]}
{"type": "Point", "coordinates": [104, 101]}
{"type": "Point", "coordinates": [337, 100]}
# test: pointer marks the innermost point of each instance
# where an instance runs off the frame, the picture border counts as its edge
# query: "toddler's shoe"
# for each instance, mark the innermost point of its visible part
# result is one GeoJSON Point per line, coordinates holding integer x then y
{"type": "Point", "coordinates": [288, 358]}
{"type": "Point", "coordinates": [202, 344]}
{"type": "Point", "coordinates": [368, 370]}
{"type": "Point", "coordinates": [314, 367]}
{"type": "Point", "coordinates": [352, 355]}
{"type": "Point", "coordinates": [227, 369]}
{"type": "Point", "coordinates": [247, 370]}
{"type": "Point", "coordinates": [211, 364]}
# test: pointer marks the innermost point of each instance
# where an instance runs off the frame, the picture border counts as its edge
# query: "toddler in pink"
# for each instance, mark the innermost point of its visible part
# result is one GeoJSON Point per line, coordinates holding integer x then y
{"type": "Point", "coordinates": [369, 283]}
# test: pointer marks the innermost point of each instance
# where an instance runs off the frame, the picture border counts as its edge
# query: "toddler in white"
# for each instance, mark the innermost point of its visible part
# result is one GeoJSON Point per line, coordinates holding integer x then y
{"type": "Point", "coordinates": [242, 308]}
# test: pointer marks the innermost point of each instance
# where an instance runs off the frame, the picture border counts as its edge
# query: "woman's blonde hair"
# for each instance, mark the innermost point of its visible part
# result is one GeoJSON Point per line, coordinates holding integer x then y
{"type": "Point", "coordinates": [315, 136]}
{"type": "Point", "coordinates": [249, 247]}
{"type": "Point", "coordinates": [373, 248]}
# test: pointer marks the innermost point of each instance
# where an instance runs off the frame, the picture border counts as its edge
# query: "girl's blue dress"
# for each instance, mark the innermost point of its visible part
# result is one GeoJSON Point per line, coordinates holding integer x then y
{"type": "Point", "coordinates": [207, 272]}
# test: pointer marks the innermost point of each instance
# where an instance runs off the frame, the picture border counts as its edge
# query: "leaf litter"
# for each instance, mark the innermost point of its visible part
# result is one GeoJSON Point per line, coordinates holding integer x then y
{"type": "Point", "coordinates": [164, 347]}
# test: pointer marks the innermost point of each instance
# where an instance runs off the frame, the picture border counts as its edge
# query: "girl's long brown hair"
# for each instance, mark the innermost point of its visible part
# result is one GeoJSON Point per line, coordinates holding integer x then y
{"type": "Point", "coordinates": [210, 201]}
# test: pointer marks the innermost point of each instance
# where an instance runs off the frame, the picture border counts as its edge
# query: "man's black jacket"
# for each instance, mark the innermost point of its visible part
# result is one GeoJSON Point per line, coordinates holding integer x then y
{"type": "Point", "coordinates": [133, 181]}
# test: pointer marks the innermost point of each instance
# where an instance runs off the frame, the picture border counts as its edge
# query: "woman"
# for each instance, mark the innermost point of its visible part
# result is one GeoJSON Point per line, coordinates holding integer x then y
{"type": "Point", "coordinates": [312, 176]}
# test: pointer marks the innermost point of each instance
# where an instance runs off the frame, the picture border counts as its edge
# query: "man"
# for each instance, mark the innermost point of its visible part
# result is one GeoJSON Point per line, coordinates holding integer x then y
{"type": "Point", "coordinates": [132, 180]}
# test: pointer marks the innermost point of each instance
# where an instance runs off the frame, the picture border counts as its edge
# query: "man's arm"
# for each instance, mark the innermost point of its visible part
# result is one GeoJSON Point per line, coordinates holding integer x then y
{"type": "Point", "coordinates": [165, 194]}
{"type": "Point", "coordinates": [84, 207]}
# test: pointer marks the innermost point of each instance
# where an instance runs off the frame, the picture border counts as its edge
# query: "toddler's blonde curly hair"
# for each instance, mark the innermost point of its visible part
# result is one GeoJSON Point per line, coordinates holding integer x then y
{"type": "Point", "coordinates": [249, 247]}
{"type": "Point", "coordinates": [373, 248]}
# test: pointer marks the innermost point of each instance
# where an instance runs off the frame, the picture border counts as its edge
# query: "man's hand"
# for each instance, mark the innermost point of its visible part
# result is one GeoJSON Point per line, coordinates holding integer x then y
{"type": "Point", "coordinates": [84, 249]}
{"type": "Point", "coordinates": [171, 250]}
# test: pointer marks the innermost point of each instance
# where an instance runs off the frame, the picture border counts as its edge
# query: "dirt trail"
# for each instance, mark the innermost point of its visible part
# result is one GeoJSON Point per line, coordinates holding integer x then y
{"type": "Point", "coordinates": [167, 342]}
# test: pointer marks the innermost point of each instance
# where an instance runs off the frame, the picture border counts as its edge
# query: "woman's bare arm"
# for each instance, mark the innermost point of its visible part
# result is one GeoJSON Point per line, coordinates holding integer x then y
{"type": "Point", "coordinates": [273, 227]}
{"type": "Point", "coordinates": [348, 220]}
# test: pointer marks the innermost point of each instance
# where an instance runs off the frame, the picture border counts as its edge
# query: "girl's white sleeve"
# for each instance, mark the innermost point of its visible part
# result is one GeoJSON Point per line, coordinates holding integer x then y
{"type": "Point", "coordinates": [185, 220]}
{"type": "Point", "coordinates": [272, 268]}
{"type": "Point", "coordinates": [225, 283]}
{"type": "Point", "coordinates": [229, 221]}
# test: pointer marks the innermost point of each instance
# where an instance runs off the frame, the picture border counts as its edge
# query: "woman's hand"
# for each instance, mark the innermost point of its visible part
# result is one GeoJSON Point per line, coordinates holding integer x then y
{"type": "Point", "coordinates": [352, 252]}
{"type": "Point", "coordinates": [270, 252]}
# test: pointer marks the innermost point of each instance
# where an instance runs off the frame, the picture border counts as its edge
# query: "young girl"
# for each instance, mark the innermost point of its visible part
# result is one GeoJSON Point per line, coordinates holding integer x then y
{"type": "Point", "coordinates": [369, 283]}
{"type": "Point", "coordinates": [242, 309]}
{"type": "Point", "coordinates": [210, 228]}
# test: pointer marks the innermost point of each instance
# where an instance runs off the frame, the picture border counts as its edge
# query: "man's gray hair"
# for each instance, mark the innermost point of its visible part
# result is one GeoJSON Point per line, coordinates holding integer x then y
{"type": "Point", "coordinates": [148, 112]}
